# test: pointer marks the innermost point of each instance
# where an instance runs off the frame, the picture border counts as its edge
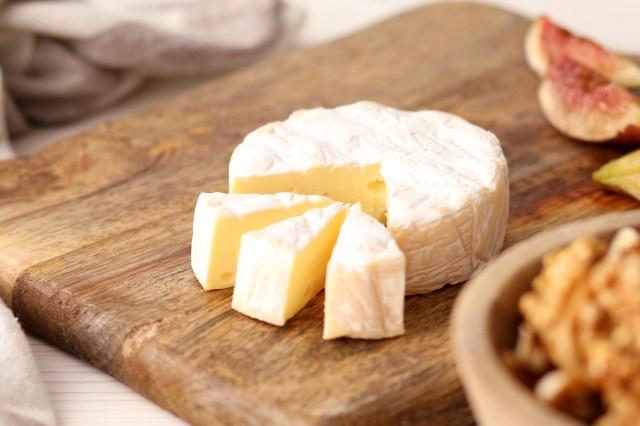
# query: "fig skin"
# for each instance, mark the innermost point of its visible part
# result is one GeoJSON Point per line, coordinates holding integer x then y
{"type": "Point", "coordinates": [545, 42]}
{"type": "Point", "coordinates": [585, 105]}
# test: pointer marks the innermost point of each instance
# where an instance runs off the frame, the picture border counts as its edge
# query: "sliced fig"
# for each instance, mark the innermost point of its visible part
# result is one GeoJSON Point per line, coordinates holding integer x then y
{"type": "Point", "coordinates": [584, 105]}
{"type": "Point", "coordinates": [545, 42]}
{"type": "Point", "coordinates": [621, 174]}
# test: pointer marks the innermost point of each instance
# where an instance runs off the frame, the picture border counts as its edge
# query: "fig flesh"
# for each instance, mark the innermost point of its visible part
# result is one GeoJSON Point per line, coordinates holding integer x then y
{"type": "Point", "coordinates": [585, 105]}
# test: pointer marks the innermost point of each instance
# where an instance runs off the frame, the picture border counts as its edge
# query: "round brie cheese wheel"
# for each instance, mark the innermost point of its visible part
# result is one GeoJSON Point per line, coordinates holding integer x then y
{"type": "Point", "coordinates": [438, 182]}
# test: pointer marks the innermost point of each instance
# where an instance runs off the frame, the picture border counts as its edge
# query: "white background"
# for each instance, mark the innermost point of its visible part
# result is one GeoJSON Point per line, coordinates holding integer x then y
{"type": "Point", "coordinates": [83, 395]}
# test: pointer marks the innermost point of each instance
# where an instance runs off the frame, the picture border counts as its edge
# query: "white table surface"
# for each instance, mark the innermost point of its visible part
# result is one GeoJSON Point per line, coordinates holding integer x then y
{"type": "Point", "coordinates": [84, 395]}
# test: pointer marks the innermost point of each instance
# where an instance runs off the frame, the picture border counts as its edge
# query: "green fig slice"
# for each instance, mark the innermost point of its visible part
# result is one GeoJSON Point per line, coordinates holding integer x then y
{"type": "Point", "coordinates": [621, 174]}
{"type": "Point", "coordinates": [546, 41]}
{"type": "Point", "coordinates": [586, 106]}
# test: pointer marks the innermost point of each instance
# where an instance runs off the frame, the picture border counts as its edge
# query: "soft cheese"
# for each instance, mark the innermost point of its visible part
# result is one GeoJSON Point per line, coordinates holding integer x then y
{"type": "Point", "coordinates": [220, 220]}
{"type": "Point", "coordinates": [281, 267]}
{"type": "Point", "coordinates": [439, 182]}
{"type": "Point", "coordinates": [364, 290]}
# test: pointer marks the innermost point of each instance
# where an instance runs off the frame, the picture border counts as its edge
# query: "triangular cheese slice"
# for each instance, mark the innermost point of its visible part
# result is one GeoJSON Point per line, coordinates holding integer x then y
{"type": "Point", "coordinates": [220, 220]}
{"type": "Point", "coordinates": [365, 287]}
{"type": "Point", "coordinates": [281, 267]}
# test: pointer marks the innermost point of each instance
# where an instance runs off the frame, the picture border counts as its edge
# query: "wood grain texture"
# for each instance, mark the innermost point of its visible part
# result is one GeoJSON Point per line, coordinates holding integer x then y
{"type": "Point", "coordinates": [95, 230]}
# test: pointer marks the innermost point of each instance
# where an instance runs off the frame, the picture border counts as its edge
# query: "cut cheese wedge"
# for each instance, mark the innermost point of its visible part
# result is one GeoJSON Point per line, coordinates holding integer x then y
{"type": "Point", "coordinates": [281, 267]}
{"type": "Point", "coordinates": [439, 183]}
{"type": "Point", "coordinates": [221, 219]}
{"type": "Point", "coordinates": [364, 291]}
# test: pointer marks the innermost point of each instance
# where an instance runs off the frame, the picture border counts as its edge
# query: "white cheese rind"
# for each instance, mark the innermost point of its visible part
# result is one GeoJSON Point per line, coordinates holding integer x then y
{"type": "Point", "coordinates": [365, 286]}
{"type": "Point", "coordinates": [446, 180]}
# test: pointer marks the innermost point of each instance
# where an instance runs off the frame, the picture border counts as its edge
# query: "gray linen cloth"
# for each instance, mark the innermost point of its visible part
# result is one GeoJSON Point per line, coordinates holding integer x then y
{"type": "Point", "coordinates": [61, 60]}
{"type": "Point", "coordinates": [23, 398]}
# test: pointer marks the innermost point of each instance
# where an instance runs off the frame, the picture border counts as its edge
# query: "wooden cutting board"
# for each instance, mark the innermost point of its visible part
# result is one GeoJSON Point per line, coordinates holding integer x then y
{"type": "Point", "coordinates": [95, 230]}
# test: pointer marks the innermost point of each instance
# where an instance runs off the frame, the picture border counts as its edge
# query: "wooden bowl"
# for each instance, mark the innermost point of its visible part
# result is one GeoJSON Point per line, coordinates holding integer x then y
{"type": "Point", "coordinates": [485, 321]}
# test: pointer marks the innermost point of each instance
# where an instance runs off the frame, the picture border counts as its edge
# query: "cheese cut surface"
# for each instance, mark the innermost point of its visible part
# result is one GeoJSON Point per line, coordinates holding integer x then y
{"type": "Point", "coordinates": [439, 182]}
{"type": "Point", "coordinates": [281, 267]}
{"type": "Point", "coordinates": [221, 219]}
{"type": "Point", "coordinates": [365, 286]}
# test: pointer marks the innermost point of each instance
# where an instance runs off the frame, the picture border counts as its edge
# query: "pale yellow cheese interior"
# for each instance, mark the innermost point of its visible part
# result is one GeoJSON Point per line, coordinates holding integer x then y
{"type": "Point", "coordinates": [225, 242]}
{"type": "Point", "coordinates": [275, 281]}
{"type": "Point", "coordinates": [349, 184]}
{"type": "Point", "coordinates": [310, 267]}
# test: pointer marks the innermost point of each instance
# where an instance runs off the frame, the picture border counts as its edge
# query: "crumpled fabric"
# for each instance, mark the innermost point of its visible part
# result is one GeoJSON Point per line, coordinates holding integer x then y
{"type": "Point", "coordinates": [23, 397]}
{"type": "Point", "coordinates": [62, 60]}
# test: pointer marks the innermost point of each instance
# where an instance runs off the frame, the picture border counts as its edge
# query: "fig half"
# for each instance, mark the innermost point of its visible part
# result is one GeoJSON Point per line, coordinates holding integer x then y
{"type": "Point", "coordinates": [545, 42]}
{"type": "Point", "coordinates": [585, 105]}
